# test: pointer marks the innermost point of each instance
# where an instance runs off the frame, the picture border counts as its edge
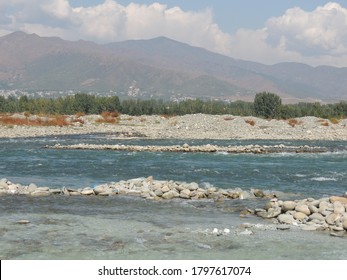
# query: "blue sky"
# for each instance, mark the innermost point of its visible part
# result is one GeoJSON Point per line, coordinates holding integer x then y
{"type": "Point", "coordinates": [268, 31]}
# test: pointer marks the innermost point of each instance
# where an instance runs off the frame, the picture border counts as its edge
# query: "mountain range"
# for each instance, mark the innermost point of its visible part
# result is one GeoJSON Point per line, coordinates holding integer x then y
{"type": "Point", "coordinates": [159, 68]}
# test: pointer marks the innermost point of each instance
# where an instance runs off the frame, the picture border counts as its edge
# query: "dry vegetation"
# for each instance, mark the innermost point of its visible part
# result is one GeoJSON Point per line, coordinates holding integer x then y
{"type": "Point", "coordinates": [228, 118]}
{"type": "Point", "coordinates": [109, 117]}
{"type": "Point", "coordinates": [294, 122]}
{"type": "Point", "coordinates": [323, 122]}
{"type": "Point", "coordinates": [250, 122]}
{"type": "Point", "coordinates": [26, 119]}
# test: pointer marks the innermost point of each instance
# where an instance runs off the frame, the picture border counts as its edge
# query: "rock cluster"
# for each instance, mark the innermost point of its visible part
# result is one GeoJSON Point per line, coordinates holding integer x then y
{"type": "Point", "coordinates": [143, 187]}
{"type": "Point", "coordinates": [329, 213]}
{"type": "Point", "coordinates": [255, 149]}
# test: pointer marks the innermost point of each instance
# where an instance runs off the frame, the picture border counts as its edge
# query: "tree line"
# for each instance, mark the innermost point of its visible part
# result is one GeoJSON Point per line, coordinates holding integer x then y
{"type": "Point", "coordinates": [266, 105]}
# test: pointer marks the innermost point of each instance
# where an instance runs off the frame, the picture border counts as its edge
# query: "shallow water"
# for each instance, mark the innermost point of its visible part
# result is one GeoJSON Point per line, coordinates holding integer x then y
{"type": "Point", "coordinates": [132, 228]}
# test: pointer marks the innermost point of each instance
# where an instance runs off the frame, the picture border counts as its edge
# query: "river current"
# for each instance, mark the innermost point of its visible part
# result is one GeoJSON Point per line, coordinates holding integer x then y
{"type": "Point", "coordinates": [132, 228]}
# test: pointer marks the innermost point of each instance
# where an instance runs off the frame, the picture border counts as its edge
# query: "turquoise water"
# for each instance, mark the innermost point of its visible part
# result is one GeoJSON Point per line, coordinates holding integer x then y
{"type": "Point", "coordinates": [25, 161]}
{"type": "Point", "coordinates": [132, 228]}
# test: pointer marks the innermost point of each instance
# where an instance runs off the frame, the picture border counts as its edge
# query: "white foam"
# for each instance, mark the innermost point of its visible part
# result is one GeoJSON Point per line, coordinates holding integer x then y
{"type": "Point", "coordinates": [323, 179]}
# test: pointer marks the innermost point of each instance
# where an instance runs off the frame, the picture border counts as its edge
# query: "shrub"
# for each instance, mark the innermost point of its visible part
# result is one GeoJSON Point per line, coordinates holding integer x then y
{"type": "Point", "coordinates": [250, 122]}
{"type": "Point", "coordinates": [334, 121]}
{"type": "Point", "coordinates": [267, 105]}
{"type": "Point", "coordinates": [294, 122]}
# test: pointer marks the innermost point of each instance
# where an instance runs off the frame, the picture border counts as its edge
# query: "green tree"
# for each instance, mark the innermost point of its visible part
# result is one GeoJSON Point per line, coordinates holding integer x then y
{"type": "Point", "coordinates": [267, 105]}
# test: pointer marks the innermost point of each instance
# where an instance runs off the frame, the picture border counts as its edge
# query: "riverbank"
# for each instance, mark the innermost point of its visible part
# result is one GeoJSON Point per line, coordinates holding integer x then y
{"type": "Point", "coordinates": [197, 126]}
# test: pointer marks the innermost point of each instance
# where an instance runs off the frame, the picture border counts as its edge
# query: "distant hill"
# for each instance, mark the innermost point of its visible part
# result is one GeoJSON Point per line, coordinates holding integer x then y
{"type": "Point", "coordinates": [159, 67]}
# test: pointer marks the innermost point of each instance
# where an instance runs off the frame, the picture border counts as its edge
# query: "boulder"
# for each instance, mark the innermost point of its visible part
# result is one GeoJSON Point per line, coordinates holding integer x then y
{"type": "Point", "coordinates": [332, 218]}
{"type": "Point", "coordinates": [32, 187]}
{"type": "Point", "coordinates": [40, 193]}
{"type": "Point", "coordinates": [258, 193]}
{"type": "Point", "coordinates": [303, 208]}
{"type": "Point", "coordinates": [170, 194]}
{"type": "Point", "coordinates": [193, 186]}
{"type": "Point", "coordinates": [158, 192]}
{"type": "Point", "coordinates": [165, 189]}
{"type": "Point", "coordinates": [87, 192]}
{"type": "Point", "coordinates": [286, 219]}
{"type": "Point", "coordinates": [299, 216]}
{"type": "Point", "coordinates": [271, 213]}
{"type": "Point", "coordinates": [313, 208]}
{"type": "Point", "coordinates": [288, 206]}
{"type": "Point", "coordinates": [338, 198]}
{"type": "Point", "coordinates": [316, 216]}
{"type": "Point", "coordinates": [339, 208]}
{"type": "Point", "coordinates": [185, 194]}
{"type": "Point", "coordinates": [344, 224]}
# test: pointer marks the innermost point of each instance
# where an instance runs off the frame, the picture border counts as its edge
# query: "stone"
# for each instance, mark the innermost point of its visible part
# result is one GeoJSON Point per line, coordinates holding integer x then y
{"type": "Point", "coordinates": [23, 222]}
{"type": "Point", "coordinates": [303, 208]}
{"type": "Point", "coordinates": [338, 198]}
{"type": "Point", "coordinates": [313, 208]}
{"type": "Point", "coordinates": [344, 224]}
{"type": "Point", "coordinates": [74, 193]}
{"type": "Point", "coordinates": [299, 216]}
{"type": "Point", "coordinates": [165, 189]}
{"type": "Point", "coordinates": [43, 189]}
{"type": "Point", "coordinates": [87, 192]}
{"type": "Point", "coordinates": [286, 219]}
{"type": "Point", "coordinates": [317, 216]}
{"type": "Point", "coordinates": [158, 192]}
{"type": "Point", "coordinates": [271, 213]}
{"type": "Point", "coordinates": [134, 192]}
{"type": "Point", "coordinates": [185, 194]}
{"type": "Point", "coordinates": [55, 191]}
{"type": "Point", "coordinates": [258, 193]}
{"type": "Point", "coordinates": [170, 194]}
{"type": "Point", "coordinates": [288, 206]}
{"type": "Point", "coordinates": [332, 218]}
{"type": "Point", "coordinates": [32, 187]}
{"type": "Point", "coordinates": [193, 186]}
{"type": "Point", "coordinates": [40, 193]}
{"type": "Point", "coordinates": [12, 187]}
{"type": "Point", "coordinates": [101, 189]}
{"type": "Point", "coordinates": [339, 208]}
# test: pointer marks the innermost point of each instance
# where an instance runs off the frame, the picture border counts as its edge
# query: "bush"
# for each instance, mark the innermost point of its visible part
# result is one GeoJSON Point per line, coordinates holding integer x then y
{"type": "Point", "coordinates": [267, 105]}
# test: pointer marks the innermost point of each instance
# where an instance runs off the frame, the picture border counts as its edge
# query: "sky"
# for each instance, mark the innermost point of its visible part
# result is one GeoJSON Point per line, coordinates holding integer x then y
{"type": "Point", "coordinates": [268, 31]}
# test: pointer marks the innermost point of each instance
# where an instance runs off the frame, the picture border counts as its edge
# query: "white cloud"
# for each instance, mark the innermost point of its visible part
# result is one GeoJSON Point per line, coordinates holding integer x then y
{"type": "Point", "coordinates": [111, 21]}
{"type": "Point", "coordinates": [314, 37]}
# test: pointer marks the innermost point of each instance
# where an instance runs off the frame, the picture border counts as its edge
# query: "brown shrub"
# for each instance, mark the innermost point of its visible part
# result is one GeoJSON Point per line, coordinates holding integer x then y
{"type": "Point", "coordinates": [109, 117]}
{"type": "Point", "coordinates": [334, 121]}
{"type": "Point", "coordinates": [294, 122]}
{"type": "Point", "coordinates": [250, 122]}
{"type": "Point", "coordinates": [79, 114]}
{"type": "Point", "coordinates": [57, 120]}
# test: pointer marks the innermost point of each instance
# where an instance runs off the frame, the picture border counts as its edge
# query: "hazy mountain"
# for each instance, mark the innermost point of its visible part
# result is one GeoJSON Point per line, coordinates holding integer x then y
{"type": "Point", "coordinates": [160, 67]}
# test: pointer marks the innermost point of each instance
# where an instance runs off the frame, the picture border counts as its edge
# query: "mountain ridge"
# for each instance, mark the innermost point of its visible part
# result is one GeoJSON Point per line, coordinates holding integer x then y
{"type": "Point", "coordinates": [158, 67]}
